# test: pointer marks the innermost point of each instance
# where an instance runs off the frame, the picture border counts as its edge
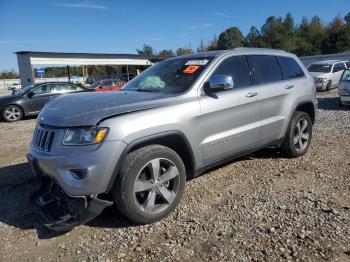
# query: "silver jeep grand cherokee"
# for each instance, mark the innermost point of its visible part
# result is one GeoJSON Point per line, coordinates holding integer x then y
{"type": "Point", "coordinates": [136, 148]}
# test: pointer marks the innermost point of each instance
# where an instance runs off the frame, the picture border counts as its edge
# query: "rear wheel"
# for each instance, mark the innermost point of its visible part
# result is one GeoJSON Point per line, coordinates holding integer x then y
{"type": "Point", "coordinates": [12, 113]}
{"type": "Point", "coordinates": [298, 137]}
{"type": "Point", "coordinates": [150, 184]}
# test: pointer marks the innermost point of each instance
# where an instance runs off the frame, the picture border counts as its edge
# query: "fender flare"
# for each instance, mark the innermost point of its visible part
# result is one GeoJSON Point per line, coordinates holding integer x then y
{"type": "Point", "coordinates": [143, 140]}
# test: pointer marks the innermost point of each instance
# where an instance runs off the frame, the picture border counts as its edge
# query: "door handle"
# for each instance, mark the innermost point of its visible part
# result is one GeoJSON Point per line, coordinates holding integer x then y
{"type": "Point", "coordinates": [289, 86]}
{"type": "Point", "coordinates": [251, 94]}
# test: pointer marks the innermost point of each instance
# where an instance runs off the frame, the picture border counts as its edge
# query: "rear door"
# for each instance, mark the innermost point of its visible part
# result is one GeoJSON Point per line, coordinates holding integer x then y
{"type": "Point", "coordinates": [229, 118]}
{"type": "Point", "coordinates": [278, 79]}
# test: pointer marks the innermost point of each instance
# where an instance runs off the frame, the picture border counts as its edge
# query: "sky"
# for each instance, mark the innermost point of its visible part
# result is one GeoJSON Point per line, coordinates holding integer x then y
{"type": "Point", "coordinates": [111, 26]}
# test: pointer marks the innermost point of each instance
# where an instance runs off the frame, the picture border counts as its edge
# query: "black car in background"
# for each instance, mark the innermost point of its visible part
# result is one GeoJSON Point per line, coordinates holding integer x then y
{"type": "Point", "coordinates": [29, 100]}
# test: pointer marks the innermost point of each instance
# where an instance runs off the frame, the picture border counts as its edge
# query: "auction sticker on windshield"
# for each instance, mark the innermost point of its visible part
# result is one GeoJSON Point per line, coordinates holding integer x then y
{"type": "Point", "coordinates": [190, 69]}
{"type": "Point", "coordinates": [197, 62]}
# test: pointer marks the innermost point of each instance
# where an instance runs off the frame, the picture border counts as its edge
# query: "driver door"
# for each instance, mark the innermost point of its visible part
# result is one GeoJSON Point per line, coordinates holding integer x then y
{"type": "Point", "coordinates": [40, 95]}
{"type": "Point", "coordinates": [229, 119]}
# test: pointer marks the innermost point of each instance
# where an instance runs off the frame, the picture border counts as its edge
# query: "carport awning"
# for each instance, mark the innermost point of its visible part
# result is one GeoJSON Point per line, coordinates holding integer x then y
{"type": "Point", "coordinates": [60, 58]}
{"type": "Point", "coordinates": [87, 61]}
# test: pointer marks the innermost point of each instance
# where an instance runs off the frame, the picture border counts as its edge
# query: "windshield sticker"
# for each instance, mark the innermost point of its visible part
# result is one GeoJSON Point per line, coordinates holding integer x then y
{"type": "Point", "coordinates": [190, 69]}
{"type": "Point", "coordinates": [197, 62]}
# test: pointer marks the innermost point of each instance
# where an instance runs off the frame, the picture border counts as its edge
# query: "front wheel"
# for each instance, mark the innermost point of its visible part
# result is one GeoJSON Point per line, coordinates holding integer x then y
{"type": "Point", "coordinates": [298, 137]}
{"type": "Point", "coordinates": [12, 113]}
{"type": "Point", "coordinates": [150, 184]}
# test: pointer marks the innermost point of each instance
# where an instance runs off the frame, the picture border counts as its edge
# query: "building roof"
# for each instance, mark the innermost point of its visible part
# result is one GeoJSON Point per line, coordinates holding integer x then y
{"type": "Point", "coordinates": [69, 58]}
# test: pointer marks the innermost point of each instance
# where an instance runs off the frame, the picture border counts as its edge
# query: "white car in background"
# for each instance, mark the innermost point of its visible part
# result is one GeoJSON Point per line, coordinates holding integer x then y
{"type": "Point", "coordinates": [327, 73]}
{"type": "Point", "coordinates": [14, 87]}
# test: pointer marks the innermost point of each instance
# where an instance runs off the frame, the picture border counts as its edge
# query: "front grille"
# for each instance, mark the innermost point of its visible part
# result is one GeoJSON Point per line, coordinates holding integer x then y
{"type": "Point", "coordinates": [42, 139]}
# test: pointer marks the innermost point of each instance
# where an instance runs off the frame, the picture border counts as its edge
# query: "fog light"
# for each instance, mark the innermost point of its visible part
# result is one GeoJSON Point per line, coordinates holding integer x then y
{"type": "Point", "coordinates": [78, 173]}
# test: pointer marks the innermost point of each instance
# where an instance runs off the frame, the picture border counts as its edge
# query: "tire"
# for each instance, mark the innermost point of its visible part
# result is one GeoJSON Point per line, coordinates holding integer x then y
{"type": "Point", "coordinates": [12, 113]}
{"type": "Point", "coordinates": [136, 187]}
{"type": "Point", "coordinates": [296, 144]}
{"type": "Point", "coordinates": [329, 84]}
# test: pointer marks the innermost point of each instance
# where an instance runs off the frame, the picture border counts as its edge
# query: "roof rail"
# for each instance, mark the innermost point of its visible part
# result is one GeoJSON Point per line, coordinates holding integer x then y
{"type": "Point", "coordinates": [257, 49]}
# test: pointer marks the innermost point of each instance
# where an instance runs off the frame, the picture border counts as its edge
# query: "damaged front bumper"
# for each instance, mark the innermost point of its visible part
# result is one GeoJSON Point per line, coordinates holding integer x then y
{"type": "Point", "coordinates": [58, 211]}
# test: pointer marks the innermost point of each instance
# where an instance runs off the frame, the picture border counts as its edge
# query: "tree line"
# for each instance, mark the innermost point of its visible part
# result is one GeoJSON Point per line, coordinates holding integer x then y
{"type": "Point", "coordinates": [309, 37]}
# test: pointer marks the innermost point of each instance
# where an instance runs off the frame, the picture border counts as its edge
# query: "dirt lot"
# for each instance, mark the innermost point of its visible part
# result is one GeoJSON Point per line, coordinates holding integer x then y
{"type": "Point", "coordinates": [260, 207]}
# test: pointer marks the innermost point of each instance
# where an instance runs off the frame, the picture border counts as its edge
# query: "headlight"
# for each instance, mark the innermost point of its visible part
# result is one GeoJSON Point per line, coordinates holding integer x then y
{"type": "Point", "coordinates": [84, 136]}
{"type": "Point", "coordinates": [322, 80]}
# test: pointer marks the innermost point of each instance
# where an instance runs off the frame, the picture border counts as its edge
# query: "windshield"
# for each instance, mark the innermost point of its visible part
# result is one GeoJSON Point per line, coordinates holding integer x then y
{"type": "Point", "coordinates": [24, 90]}
{"type": "Point", "coordinates": [169, 76]}
{"type": "Point", "coordinates": [322, 68]}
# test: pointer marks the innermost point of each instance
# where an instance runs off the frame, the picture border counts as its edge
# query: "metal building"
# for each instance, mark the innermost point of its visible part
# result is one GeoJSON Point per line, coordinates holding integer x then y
{"type": "Point", "coordinates": [26, 60]}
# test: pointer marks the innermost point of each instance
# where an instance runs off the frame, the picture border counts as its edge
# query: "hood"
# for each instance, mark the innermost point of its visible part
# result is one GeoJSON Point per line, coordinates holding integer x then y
{"type": "Point", "coordinates": [320, 74]}
{"type": "Point", "coordinates": [7, 98]}
{"type": "Point", "coordinates": [87, 109]}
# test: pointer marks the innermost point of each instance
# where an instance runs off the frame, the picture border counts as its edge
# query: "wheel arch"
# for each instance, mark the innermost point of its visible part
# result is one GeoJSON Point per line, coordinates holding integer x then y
{"type": "Point", "coordinates": [175, 140]}
{"type": "Point", "coordinates": [12, 104]}
{"type": "Point", "coordinates": [307, 107]}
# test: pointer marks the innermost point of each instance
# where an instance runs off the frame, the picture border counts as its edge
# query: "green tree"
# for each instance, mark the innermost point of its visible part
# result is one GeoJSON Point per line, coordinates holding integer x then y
{"type": "Point", "coordinates": [146, 50]}
{"type": "Point", "coordinates": [254, 39]}
{"type": "Point", "coordinates": [337, 37]}
{"type": "Point", "coordinates": [12, 74]}
{"type": "Point", "coordinates": [230, 38]}
{"type": "Point", "coordinates": [184, 51]}
{"type": "Point", "coordinates": [166, 53]}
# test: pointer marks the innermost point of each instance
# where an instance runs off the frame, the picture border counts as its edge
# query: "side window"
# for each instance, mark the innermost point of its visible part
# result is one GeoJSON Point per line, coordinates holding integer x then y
{"type": "Point", "coordinates": [108, 84]}
{"type": "Point", "coordinates": [290, 68]}
{"type": "Point", "coordinates": [42, 89]}
{"type": "Point", "coordinates": [63, 88]}
{"type": "Point", "coordinates": [60, 88]}
{"type": "Point", "coordinates": [237, 67]}
{"type": "Point", "coordinates": [72, 88]}
{"type": "Point", "coordinates": [338, 67]}
{"type": "Point", "coordinates": [265, 68]}
{"type": "Point", "coordinates": [347, 64]}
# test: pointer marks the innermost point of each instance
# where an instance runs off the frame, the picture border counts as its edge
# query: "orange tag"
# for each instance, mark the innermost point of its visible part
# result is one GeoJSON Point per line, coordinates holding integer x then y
{"type": "Point", "coordinates": [190, 69]}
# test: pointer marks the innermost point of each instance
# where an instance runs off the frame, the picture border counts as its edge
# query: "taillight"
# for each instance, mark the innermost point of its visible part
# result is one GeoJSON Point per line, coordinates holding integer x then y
{"type": "Point", "coordinates": [315, 82]}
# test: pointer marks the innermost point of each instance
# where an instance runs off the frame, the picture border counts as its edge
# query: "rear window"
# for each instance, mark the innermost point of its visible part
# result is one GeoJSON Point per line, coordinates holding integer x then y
{"type": "Point", "coordinates": [265, 69]}
{"type": "Point", "coordinates": [320, 68]}
{"type": "Point", "coordinates": [290, 68]}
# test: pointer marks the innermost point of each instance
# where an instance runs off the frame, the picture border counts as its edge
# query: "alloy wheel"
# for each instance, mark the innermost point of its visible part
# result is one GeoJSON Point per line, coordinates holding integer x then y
{"type": "Point", "coordinates": [12, 113]}
{"type": "Point", "coordinates": [301, 135]}
{"type": "Point", "coordinates": [156, 186]}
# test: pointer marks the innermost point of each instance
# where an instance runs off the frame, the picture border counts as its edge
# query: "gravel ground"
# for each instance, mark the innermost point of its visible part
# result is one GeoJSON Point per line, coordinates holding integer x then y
{"type": "Point", "coordinates": [262, 207]}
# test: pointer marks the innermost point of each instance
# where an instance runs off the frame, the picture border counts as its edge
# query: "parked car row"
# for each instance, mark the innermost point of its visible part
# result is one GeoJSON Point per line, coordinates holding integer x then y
{"type": "Point", "coordinates": [28, 101]}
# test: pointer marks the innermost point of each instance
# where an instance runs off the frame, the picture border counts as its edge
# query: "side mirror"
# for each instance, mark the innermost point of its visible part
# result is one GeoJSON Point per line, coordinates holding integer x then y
{"type": "Point", "coordinates": [30, 94]}
{"type": "Point", "coordinates": [220, 83]}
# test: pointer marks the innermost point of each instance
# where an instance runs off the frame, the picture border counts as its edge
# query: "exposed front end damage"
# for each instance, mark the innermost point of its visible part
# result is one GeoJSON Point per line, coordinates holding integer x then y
{"type": "Point", "coordinates": [60, 212]}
